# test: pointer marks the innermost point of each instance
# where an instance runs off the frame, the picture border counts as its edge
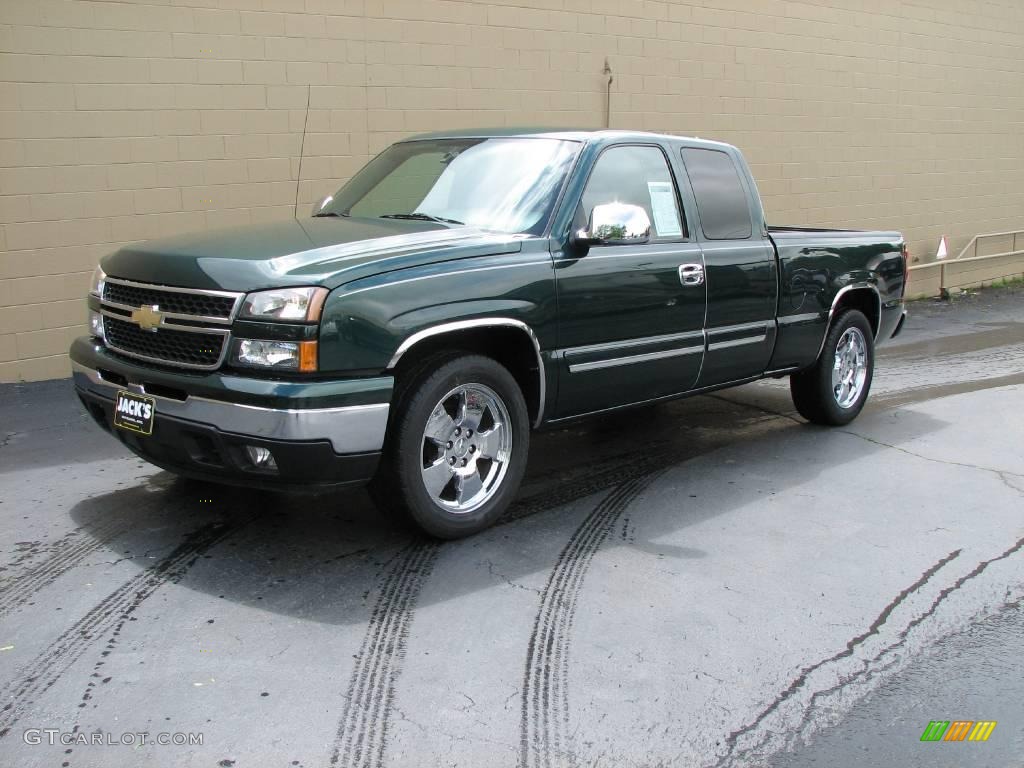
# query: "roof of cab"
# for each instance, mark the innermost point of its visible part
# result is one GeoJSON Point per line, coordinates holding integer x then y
{"type": "Point", "coordinates": [568, 134]}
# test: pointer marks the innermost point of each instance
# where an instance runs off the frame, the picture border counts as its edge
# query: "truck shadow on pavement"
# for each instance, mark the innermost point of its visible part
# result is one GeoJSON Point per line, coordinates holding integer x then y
{"type": "Point", "coordinates": [319, 557]}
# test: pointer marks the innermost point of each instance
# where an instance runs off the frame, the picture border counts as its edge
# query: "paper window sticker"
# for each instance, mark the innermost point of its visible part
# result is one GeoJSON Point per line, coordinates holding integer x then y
{"type": "Point", "coordinates": [663, 206]}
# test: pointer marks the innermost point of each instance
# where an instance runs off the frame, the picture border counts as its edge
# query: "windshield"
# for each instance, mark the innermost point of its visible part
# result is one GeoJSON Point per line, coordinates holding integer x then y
{"type": "Point", "coordinates": [507, 184]}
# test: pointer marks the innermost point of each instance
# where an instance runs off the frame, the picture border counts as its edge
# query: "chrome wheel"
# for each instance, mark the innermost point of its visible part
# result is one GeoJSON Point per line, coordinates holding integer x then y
{"type": "Point", "coordinates": [850, 368]}
{"type": "Point", "coordinates": [467, 444]}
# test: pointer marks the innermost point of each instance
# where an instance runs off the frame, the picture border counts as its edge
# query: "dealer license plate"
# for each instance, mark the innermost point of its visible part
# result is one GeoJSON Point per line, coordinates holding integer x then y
{"type": "Point", "coordinates": [134, 413]}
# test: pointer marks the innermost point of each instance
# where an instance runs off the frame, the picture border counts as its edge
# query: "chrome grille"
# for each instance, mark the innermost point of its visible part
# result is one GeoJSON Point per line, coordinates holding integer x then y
{"type": "Point", "coordinates": [169, 301]}
{"type": "Point", "coordinates": [195, 350]}
{"type": "Point", "coordinates": [191, 330]}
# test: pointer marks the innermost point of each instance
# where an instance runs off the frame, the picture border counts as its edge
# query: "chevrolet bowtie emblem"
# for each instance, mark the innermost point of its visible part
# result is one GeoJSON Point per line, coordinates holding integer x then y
{"type": "Point", "coordinates": [148, 318]}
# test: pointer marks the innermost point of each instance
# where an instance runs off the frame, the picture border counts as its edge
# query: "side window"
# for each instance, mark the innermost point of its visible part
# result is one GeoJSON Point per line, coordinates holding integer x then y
{"type": "Point", "coordinates": [721, 198]}
{"type": "Point", "coordinates": [637, 176]}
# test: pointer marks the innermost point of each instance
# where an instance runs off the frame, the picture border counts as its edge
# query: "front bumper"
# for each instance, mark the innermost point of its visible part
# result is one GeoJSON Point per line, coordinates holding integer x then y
{"type": "Point", "coordinates": [205, 437]}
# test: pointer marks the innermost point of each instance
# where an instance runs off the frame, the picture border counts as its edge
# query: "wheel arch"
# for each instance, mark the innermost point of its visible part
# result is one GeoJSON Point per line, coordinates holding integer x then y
{"type": "Point", "coordinates": [863, 297]}
{"type": "Point", "coordinates": [509, 341]}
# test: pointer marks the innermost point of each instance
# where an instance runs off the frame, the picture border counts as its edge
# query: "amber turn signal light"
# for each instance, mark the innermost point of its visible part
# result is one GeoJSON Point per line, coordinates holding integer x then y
{"type": "Point", "coordinates": [307, 356]}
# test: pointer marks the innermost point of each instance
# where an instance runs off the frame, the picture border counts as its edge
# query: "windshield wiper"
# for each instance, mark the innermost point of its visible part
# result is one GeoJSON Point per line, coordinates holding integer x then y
{"type": "Point", "coordinates": [328, 213]}
{"type": "Point", "coordinates": [419, 217]}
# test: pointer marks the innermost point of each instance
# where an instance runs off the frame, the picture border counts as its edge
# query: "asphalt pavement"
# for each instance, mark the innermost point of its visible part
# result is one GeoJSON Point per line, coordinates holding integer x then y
{"type": "Point", "coordinates": [711, 582]}
{"type": "Point", "coordinates": [974, 675]}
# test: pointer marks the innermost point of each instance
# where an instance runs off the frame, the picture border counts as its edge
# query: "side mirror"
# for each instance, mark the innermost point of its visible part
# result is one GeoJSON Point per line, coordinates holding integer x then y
{"type": "Point", "coordinates": [616, 224]}
{"type": "Point", "coordinates": [319, 206]}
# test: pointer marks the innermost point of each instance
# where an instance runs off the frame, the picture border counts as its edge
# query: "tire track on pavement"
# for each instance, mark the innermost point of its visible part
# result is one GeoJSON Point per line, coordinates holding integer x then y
{"type": "Point", "coordinates": [362, 730]}
{"type": "Point", "coordinates": [362, 734]}
{"type": "Point", "coordinates": [627, 465]}
{"type": "Point", "coordinates": [60, 557]}
{"type": "Point", "coordinates": [49, 666]}
{"type": "Point", "coordinates": [544, 709]}
{"type": "Point", "coordinates": [361, 737]}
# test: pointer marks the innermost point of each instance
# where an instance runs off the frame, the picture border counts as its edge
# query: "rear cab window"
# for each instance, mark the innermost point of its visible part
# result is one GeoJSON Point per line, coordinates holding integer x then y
{"type": "Point", "coordinates": [721, 196]}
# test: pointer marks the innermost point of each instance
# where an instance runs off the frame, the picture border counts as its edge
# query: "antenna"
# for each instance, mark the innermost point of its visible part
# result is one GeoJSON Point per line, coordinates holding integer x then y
{"type": "Point", "coordinates": [302, 149]}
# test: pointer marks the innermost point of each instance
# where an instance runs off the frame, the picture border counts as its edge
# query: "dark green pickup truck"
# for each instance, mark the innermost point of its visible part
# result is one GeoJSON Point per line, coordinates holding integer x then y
{"type": "Point", "coordinates": [462, 289]}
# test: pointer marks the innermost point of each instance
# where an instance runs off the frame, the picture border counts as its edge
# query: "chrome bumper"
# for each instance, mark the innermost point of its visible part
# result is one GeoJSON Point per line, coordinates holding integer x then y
{"type": "Point", "coordinates": [350, 429]}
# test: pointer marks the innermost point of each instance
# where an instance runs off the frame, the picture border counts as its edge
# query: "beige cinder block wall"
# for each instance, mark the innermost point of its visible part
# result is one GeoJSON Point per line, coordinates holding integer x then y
{"type": "Point", "coordinates": [122, 121]}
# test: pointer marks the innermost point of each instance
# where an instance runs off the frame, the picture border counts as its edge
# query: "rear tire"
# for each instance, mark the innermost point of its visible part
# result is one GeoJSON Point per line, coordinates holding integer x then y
{"type": "Point", "coordinates": [457, 446]}
{"type": "Point", "coordinates": [833, 391]}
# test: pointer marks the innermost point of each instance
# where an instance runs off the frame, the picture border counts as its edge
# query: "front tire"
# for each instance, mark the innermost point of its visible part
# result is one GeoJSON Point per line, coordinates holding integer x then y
{"type": "Point", "coordinates": [833, 391]}
{"type": "Point", "coordinates": [458, 446]}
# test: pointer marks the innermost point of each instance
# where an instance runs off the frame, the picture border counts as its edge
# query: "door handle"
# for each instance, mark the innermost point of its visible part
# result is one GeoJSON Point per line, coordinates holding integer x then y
{"type": "Point", "coordinates": [691, 274]}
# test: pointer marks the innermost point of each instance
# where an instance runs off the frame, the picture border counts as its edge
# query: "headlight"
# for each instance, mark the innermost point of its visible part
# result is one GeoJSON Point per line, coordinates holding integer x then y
{"type": "Point", "coordinates": [277, 355]}
{"type": "Point", "coordinates": [96, 288]}
{"type": "Point", "coordinates": [297, 304]}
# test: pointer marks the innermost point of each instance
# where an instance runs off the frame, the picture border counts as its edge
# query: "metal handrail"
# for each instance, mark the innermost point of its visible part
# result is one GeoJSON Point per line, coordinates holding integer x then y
{"type": "Point", "coordinates": [972, 246]}
{"type": "Point", "coordinates": [974, 243]}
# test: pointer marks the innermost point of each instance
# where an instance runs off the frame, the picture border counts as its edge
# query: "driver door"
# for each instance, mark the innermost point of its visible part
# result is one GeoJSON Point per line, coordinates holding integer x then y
{"type": "Point", "coordinates": [631, 317]}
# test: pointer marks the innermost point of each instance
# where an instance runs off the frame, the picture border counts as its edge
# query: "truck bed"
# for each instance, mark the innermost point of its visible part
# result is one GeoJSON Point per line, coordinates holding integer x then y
{"type": "Point", "coordinates": [880, 234]}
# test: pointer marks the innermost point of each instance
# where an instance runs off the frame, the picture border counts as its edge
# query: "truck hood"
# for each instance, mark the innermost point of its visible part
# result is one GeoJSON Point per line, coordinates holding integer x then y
{"type": "Point", "coordinates": [326, 251]}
